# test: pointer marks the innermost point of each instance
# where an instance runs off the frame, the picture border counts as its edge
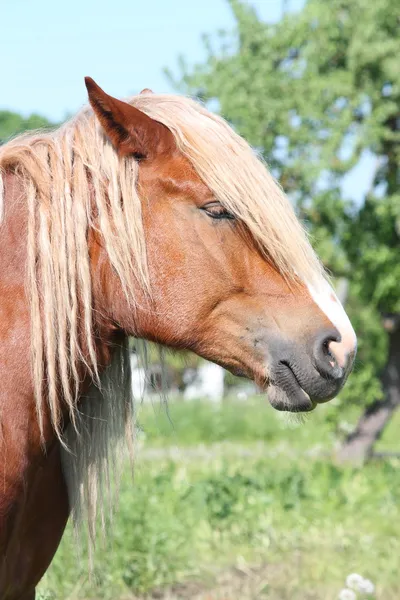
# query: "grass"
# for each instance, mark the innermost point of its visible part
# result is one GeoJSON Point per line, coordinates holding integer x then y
{"type": "Point", "coordinates": [258, 497]}
{"type": "Point", "coordinates": [194, 423]}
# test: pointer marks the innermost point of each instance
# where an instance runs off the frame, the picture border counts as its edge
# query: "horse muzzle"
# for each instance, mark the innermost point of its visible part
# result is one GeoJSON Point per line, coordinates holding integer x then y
{"type": "Point", "coordinates": [302, 376]}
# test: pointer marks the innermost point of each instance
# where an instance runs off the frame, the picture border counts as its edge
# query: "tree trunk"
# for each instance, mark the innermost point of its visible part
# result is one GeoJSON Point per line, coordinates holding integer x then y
{"type": "Point", "coordinates": [358, 446]}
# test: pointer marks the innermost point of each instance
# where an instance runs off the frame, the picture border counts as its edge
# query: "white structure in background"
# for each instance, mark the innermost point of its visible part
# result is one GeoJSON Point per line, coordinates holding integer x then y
{"type": "Point", "coordinates": [138, 379]}
{"type": "Point", "coordinates": [203, 383]}
{"type": "Point", "coordinates": [208, 383]}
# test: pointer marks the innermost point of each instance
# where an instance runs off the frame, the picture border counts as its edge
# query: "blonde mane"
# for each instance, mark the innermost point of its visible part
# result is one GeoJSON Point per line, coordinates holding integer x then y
{"type": "Point", "coordinates": [65, 172]}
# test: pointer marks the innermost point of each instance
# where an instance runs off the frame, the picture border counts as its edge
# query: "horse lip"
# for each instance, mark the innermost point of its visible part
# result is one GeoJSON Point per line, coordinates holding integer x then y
{"type": "Point", "coordinates": [290, 395]}
{"type": "Point", "coordinates": [290, 369]}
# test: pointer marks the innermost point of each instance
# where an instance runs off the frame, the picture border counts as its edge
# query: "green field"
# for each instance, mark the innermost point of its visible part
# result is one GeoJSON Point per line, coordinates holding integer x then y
{"type": "Point", "coordinates": [233, 502]}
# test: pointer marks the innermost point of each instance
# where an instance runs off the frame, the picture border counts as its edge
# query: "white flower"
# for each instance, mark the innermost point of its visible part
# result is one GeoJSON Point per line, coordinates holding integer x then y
{"type": "Point", "coordinates": [347, 594]}
{"type": "Point", "coordinates": [359, 584]}
{"type": "Point", "coordinates": [354, 581]}
{"type": "Point", "coordinates": [366, 587]}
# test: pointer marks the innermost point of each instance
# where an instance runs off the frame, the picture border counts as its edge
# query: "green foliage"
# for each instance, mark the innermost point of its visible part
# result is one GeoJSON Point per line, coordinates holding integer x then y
{"type": "Point", "coordinates": [45, 595]}
{"type": "Point", "coordinates": [315, 93]}
{"type": "Point", "coordinates": [12, 124]}
{"type": "Point", "coordinates": [189, 514]}
{"type": "Point", "coordinates": [363, 386]}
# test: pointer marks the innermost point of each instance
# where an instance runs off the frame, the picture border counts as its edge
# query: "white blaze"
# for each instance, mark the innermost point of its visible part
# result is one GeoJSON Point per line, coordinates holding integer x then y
{"type": "Point", "coordinates": [324, 296]}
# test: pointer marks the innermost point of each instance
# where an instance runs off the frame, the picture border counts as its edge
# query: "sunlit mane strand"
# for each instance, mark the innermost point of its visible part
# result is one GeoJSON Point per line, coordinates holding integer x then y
{"type": "Point", "coordinates": [73, 173]}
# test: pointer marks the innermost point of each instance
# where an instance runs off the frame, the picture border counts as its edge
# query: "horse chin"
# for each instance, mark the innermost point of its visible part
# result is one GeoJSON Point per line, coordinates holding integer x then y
{"type": "Point", "coordinates": [297, 400]}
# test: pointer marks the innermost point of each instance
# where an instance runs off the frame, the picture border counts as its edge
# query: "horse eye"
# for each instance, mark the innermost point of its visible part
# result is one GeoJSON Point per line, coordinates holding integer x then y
{"type": "Point", "coordinates": [217, 211]}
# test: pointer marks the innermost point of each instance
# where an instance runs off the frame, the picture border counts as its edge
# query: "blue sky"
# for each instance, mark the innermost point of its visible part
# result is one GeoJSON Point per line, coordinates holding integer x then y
{"type": "Point", "coordinates": [48, 46]}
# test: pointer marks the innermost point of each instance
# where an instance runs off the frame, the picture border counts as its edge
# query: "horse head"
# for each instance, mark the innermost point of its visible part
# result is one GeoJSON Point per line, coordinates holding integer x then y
{"type": "Point", "coordinates": [230, 272]}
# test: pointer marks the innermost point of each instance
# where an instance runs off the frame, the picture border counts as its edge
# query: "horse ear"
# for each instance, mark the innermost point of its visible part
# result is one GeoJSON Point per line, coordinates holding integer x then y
{"type": "Point", "coordinates": [130, 130]}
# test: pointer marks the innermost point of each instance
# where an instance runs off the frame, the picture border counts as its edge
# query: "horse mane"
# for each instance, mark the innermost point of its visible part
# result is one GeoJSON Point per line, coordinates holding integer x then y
{"type": "Point", "coordinates": [64, 172]}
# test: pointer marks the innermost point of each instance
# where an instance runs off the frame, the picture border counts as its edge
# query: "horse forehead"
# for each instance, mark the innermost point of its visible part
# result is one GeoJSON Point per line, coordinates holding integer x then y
{"type": "Point", "coordinates": [179, 167]}
{"type": "Point", "coordinates": [176, 176]}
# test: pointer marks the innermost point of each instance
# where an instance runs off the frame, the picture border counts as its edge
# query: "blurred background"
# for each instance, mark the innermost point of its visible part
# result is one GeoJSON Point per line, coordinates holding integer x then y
{"type": "Point", "coordinates": [230, 499]}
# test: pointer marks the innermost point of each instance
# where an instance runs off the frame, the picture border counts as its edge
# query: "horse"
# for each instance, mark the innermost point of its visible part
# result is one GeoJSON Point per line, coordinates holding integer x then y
{"type": "Point", "coordinates": [153, 219]}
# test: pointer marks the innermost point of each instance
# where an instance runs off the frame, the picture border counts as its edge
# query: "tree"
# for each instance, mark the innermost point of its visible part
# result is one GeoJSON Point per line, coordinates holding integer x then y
{"type": "Point", "coordinates": [12, 123]}
{"type": "Point", "coordinates": [315, 93]}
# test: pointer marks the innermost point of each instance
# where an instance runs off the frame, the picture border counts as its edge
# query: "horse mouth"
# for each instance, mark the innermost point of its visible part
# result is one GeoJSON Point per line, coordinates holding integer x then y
{"type": "Point", "coordinates": [285, 392]}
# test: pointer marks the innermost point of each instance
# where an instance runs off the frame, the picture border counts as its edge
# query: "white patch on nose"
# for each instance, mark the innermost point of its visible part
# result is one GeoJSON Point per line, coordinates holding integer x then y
{"type": "Point", "coordinates": [324, 296]}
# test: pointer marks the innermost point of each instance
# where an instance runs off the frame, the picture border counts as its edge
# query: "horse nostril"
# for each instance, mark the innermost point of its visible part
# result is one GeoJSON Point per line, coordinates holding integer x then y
{"type": "Point", "coordinates": [326, 351]}
{"type": "Point", "coordinates": [325, 360]}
